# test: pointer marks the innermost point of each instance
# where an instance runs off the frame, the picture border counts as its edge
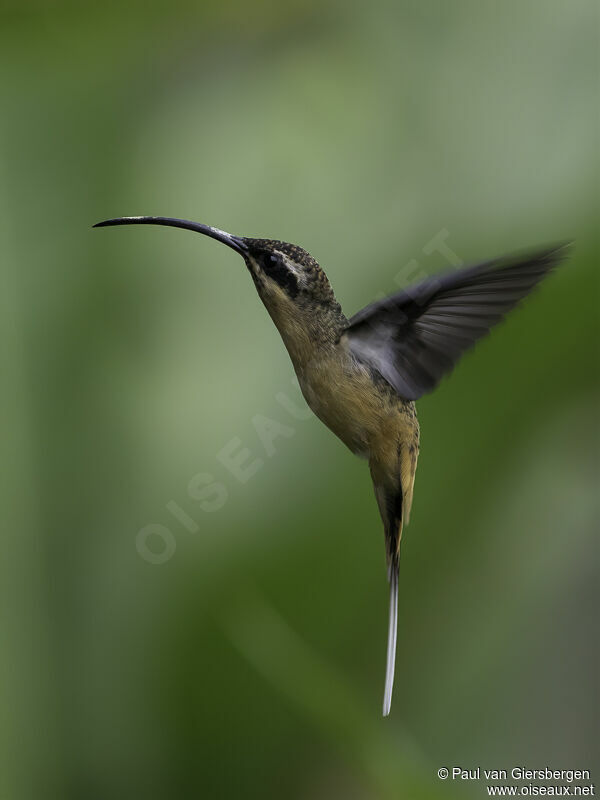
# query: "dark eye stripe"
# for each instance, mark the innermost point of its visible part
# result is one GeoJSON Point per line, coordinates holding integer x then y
{"type": "Point", "coordinates": [276, 269]}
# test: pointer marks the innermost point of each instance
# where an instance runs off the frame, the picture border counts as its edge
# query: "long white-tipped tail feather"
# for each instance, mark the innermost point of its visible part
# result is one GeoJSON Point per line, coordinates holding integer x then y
{"type": "Point", "coordinates": [391, 647]}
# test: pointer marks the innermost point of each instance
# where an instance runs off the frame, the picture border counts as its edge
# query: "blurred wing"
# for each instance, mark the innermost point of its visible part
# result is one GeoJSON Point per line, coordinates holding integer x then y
{"type": "Point", "coordinates": [416, 336]}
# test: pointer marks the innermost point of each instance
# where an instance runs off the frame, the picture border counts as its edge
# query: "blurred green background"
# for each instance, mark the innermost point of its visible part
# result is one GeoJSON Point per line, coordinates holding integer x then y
{"type": "Point", "coordinates": [248, 661]}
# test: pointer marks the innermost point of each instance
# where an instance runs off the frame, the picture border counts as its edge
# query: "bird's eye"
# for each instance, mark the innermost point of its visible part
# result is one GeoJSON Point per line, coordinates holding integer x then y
{"type": "Point", "coordinates": [272, 261]}
{"type": "Point", "coordinates": [276, 268]}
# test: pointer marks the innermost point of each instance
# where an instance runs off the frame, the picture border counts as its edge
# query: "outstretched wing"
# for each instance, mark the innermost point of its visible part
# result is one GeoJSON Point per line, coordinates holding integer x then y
{"type": "Point", "coordinates": [413, 338]}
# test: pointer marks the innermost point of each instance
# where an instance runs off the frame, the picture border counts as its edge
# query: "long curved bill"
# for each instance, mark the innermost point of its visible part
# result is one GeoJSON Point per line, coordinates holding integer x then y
{"type": "Point", "coordinates": [236, 242]}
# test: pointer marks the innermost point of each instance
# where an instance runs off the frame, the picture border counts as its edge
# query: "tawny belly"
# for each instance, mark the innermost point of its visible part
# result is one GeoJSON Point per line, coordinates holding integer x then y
{"type": "Point", "coordinates": [363, 414]}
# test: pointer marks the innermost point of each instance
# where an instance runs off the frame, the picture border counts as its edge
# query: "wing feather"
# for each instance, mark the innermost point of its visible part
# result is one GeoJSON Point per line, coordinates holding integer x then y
{"type": "Point", "coordinates": [416, 336]}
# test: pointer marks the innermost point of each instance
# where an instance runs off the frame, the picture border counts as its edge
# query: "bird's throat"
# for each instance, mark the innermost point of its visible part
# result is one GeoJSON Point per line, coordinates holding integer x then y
{"type": "Point", "coordinates": [308, 329]}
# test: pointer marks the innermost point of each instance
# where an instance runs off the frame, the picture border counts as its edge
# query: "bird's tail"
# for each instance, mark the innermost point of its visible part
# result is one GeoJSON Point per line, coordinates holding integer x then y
{"type": "Point", "coordinates": [392, 632]}
{"type": "Point", "coordinates": [394, 507]}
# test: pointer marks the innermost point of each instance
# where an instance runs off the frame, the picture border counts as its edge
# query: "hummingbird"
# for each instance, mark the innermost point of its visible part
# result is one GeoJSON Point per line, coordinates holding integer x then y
{"type": "Point", "coordinates": [361, 376]}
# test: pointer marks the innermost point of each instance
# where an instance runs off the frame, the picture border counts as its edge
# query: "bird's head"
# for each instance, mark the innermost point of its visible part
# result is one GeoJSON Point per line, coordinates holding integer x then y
{"type": "Point", "coordinates": [276, 265]}
{"type": "Point", "coordinates": [289, 280]}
